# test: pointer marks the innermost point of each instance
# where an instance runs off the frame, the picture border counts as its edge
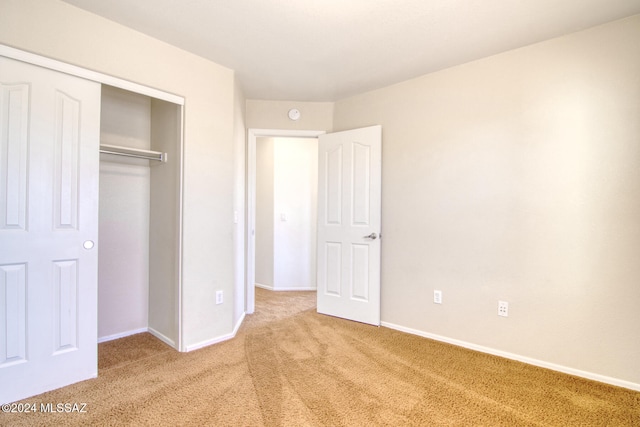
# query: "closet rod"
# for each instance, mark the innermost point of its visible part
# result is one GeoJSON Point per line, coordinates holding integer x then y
{"type": "Point", "coordinates": [132, 152]}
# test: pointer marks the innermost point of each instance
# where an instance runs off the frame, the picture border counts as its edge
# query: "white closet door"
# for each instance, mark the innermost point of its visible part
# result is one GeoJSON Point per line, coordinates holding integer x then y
{"type": "Point", "coordinates": [49, 138]}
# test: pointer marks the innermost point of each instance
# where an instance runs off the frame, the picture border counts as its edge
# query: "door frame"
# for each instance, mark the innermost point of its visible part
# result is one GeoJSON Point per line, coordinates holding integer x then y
{"type": "Point", "coordinates": [252, 137]}
{"type": "Point", "coordinates": [53, 64]}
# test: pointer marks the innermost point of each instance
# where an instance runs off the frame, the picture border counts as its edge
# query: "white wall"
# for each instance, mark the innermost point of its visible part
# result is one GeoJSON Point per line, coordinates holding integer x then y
{"type": "Point", "coordinates": [517, 178]}
{"type": "Point", "coordinates": [56, 29]}
{"type": "Point", "coordinates": [123, 249]}
{"type": "Point", "coordinates": [263, 114]}
{"type": "Point", "coordinates": [264, 212]}
{"type": "Point", "coordinates": [295, 213]}
{"type": "Point", "coordinates": [286, 204]}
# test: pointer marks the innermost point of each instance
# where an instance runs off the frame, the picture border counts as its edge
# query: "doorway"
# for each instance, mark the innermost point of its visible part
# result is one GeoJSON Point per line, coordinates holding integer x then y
{"type": "Point", "coordinates": [287, 215]}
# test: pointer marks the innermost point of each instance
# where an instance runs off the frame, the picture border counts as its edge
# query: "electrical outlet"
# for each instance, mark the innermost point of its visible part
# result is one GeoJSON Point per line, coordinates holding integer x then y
{"type": "Point", "coordinates": [219, 297]}
{"type": "Point", "coordinates": [503, 308]}
{"type": "Point", "coordinates": [437, 297]}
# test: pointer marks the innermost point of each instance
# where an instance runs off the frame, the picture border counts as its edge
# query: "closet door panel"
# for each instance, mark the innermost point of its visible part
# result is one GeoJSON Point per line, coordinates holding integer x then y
{"type": "Point", "coordinates": [67, 147]}
{"type": "Point", "coordinates": [14, 121]}
{"type": "Point", "coordinates": [48, 268]}
{"type": "Point", "coordinates": [13, 331]}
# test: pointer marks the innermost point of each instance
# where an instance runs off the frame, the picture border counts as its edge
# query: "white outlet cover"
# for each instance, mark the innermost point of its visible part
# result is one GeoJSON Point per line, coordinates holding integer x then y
{"type": "Point", "coordinates": [503, 308]}
{"type": "Point", "coordinates": [437, 297]}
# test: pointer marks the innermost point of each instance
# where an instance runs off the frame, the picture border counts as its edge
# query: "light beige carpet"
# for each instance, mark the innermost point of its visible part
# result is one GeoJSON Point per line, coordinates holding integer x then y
{"type": "Point", "coordinates": [290, 366]}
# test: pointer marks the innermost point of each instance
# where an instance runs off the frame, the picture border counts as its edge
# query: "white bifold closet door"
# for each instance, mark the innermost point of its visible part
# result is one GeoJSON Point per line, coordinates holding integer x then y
{"type": "Point", "coordinates": [49, 138]}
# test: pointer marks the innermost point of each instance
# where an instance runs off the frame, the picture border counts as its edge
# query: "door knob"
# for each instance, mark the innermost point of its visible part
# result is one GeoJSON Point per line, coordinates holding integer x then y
{"type": "Point", "coordinates": [372, 236]}
{"type": "Point", "coordinates": [88, 244]}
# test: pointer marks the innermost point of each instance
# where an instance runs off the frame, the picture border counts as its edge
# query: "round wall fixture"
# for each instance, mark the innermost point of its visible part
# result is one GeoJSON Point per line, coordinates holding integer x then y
{"type": "Point", "coordinates": [294, 114]}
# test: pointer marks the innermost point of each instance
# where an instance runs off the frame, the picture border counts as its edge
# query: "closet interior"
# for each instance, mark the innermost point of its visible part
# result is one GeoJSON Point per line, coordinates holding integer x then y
{"type": "Point", "coordinates": [139, 216]}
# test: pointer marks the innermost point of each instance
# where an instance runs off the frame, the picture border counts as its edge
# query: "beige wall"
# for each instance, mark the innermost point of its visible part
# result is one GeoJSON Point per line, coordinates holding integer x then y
{"type": "Point", "coordinates": [164, 228]}
{"type": "Point", "coordinates": [239, 206]}
{"type": "Point", "coordinates": [58, 30]}
{"type": "Point", "coordinates": [273, 115]}
{"type": "Point", "coordinates": [517, 178]}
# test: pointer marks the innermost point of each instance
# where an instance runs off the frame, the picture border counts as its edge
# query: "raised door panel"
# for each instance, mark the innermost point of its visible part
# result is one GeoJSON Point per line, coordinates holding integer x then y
{"type": "Point", "coordinates": [360, 272]}
{"type": "Point", "coordinates": [333, 186]}
{"type": "Point", "coordinates": [332, 283]}
{"type": "Point", "coordinates": [67, 158]}
{"type": "Point", "coordinates": [65, 306]}
{"type": "Point", "coordinates": [361, 182]}
{"type": "Point", "coordinates": [13, 303]}
{"type": "Point", "coordinates": [14, 125]}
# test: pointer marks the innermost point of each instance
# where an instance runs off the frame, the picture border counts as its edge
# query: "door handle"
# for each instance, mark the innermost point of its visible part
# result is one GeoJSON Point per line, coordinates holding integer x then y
{"type": "Point", "coordinates": [372, 236]}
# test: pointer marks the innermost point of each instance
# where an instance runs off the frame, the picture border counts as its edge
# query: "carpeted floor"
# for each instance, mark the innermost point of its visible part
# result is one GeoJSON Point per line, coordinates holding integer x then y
{"type": "Point", "coordinates": [290, 366]}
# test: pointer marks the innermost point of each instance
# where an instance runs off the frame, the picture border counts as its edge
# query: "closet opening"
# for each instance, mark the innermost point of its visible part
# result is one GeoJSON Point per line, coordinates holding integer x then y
{"type": "Point", "coordinates": [139, 216]}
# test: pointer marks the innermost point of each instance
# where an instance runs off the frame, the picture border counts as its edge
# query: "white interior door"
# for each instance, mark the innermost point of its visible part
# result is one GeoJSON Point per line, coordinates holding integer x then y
{"type": "Point", "coordinates": [349, 205]}
{"type": "Point", "coordinates": [49, 137]}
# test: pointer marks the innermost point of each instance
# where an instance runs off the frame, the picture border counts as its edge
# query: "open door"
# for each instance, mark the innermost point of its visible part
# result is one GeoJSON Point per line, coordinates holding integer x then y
{"type": "Point", "coordinates": [49, 137]}
{"type": "Point", "coordinates": [349, 219]}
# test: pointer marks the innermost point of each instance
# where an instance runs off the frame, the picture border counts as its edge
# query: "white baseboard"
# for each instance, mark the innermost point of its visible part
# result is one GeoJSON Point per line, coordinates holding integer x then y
{"type": "Point", "coordinates": [152, 331]}
{"type": "Point", "coordinates": [272, 288]}
{"type": "Point", "coordinates": [162, 337]}
{"type": "Point", "coordinates": [217, 340]}
{"type": "Point", "coordinates": [238, 324]}
{"type": "Point", "coordinates": [207, 343]}
{"type": "Point", "coordinates": [524, 359]}
{"type": "Point", "coordinates": [171, 342]}
{"type": "Point", "coordinates": [121, 335]}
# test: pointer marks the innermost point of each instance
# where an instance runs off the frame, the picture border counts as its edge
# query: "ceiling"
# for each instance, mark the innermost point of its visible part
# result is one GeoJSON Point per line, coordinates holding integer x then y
{"type": "Point", "coordinates": [326, 50]}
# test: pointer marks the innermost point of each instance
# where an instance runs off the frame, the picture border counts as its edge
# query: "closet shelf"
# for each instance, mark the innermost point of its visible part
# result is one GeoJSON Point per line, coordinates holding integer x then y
{"type": "Point", "coordinates": [133, 152]}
